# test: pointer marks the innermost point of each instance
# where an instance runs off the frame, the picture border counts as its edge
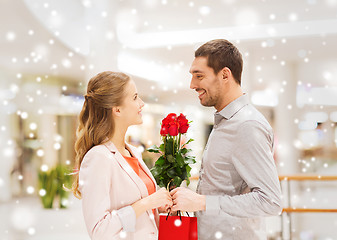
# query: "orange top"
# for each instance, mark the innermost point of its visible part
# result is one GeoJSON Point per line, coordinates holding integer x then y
{"type": "Point", "coordinates": [134, 163]}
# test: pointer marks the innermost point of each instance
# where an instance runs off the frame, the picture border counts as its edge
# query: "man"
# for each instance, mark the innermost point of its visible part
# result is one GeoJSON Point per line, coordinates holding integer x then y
{"type": "Point", "coordinates": [238, 182]}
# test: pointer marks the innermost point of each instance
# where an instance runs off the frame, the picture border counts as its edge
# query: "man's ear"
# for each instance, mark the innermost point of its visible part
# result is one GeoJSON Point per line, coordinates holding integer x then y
{"type": "Point", "coordinates": [116, 111]}
{"type": "Point", "coordinates": [225, 73]}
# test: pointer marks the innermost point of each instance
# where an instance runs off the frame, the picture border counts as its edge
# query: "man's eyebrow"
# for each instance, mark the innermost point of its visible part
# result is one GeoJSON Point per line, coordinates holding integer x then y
{"type": "Point", "coordinates": [196, 71]}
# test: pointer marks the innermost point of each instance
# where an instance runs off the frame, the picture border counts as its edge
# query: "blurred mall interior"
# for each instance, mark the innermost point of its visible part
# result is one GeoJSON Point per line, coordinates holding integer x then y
{"type": "Point", "coordinates": [50, 49]}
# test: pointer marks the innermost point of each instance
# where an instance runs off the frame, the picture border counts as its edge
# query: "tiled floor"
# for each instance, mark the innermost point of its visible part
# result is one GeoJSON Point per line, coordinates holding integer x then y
{"type": "Point", "coordinates": [25, 219]}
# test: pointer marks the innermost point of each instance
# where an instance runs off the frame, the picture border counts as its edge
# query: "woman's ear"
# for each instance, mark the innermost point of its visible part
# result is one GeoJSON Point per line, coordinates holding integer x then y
{"type": "Point", "coordinates": [116, 111]}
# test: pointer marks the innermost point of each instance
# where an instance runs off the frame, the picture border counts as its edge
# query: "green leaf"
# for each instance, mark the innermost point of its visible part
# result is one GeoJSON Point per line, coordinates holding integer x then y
{"type": "Point", "coordinates": [170, 158]}
{"type": "Point", "coordinates": [188, 170]}
{"type": "Point", "coordinates": [188, 174]}
{"type": "Point", "coordinates": [188, 181]}
{"type": "Point", "coordinates": [166, 165]}
{"type": "Point", "coordinates": [154, 149]}
{"type": "Point", "coordinates": [190, 140]}
{"type": "Point", "coordinates": [178, 170]}
{"type": "Point", "coordinates": [169, 146]}
{"type": "Point", "coordinates": [184, 174]}
{"type": "Point", "coordinates": [185, 150]}
{"type": "Point", "coordinates": [162, 147]}
{"type": "Point", "coordinates": [180, 160]}
{"type": "Point", "coordinates": [171, 173]}
{"type": "Point", "coordinates": [177, 181]}
{"type": "Point", "coordinates": [161, 184]}
{"type": "Point", "coordinates": [189, 160]}
{"type": "Point", "coordinates": [156, 171]}
{"type": "Point", "coordinates": [160, 161]}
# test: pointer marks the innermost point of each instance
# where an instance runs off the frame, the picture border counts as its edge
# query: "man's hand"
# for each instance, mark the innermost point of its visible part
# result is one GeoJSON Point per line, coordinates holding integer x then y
{"type": "Point", "coordinates": [187, 200]}
{"type": "Point", "coordinates": [164, 209]}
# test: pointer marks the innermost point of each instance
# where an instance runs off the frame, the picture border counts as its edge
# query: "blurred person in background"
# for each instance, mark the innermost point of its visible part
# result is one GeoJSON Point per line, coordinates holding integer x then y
{"type": "Point", "coordinates": [238, 181]}
{"type": "Point", "coordinates": [118, 191]}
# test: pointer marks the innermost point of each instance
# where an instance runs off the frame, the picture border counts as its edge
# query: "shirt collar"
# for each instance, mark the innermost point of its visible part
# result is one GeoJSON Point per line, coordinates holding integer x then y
{"type": "Point", "coordinates": [232, 108]}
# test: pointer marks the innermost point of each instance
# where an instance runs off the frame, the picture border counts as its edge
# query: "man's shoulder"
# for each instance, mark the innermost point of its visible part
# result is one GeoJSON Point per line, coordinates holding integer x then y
{"type": "Point", "coordinates": [250, 115]}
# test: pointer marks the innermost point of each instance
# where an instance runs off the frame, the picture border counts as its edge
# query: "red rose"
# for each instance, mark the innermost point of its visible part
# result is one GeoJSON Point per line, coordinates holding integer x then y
{"type": "Point", "coordinates": [172, 117]}
{"type": "Point", "coordinates": [169, 125]}
{"type": "Point", "coordinates": [164, 130]}
{"type": "Point", "coordinates": [165, 121]}
{"type": "Point", "coordinates": [173, 129]}
{"type": "Point", "coordinates": [183, 123]}
{"type": "Point", "coordinates": [183, 128]}
{"type": "Point", "coordinates": [182, 119]}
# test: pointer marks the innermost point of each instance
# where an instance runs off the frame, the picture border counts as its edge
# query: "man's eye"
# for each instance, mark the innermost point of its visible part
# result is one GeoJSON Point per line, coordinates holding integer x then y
{"type": "Point", "coordinates": [199, 76]}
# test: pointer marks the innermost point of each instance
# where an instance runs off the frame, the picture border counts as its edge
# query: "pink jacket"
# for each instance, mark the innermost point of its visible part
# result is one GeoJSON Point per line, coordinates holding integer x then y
{"type": "Point", "coordinates": [109, 186]}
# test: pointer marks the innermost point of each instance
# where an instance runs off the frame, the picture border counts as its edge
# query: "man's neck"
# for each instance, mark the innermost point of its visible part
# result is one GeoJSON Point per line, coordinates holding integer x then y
{"type": "Point", "coordinates": [233, 94]}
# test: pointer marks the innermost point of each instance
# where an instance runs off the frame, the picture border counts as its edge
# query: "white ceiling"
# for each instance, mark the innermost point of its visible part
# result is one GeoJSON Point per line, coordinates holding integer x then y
{"type": "Point", "coordinates": [154, 40]}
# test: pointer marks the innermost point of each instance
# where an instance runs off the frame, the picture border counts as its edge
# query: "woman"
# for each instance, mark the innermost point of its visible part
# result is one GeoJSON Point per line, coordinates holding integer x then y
{"type": "Point", "coordinates": [119, 194]}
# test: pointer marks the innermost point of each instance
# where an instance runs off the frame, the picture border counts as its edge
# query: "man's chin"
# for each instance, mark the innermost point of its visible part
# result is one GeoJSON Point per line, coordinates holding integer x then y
{"type": "Point", "coordinates": [206, 104]}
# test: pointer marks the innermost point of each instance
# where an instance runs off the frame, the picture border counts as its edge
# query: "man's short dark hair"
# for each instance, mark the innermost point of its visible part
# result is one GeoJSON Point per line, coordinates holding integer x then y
{"type": "Point", "coordinates": [221, 53]}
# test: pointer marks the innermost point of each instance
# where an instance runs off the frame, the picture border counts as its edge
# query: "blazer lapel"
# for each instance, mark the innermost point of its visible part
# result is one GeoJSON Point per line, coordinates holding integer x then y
{"type": "Point", "coordinates": [141, 162]}
{"type": "Point", "coordinates": [137, 180]}
{"type": "Point", "coordinates": [127, 168]}
{"type": "Point", "coordinates": [136, 154]}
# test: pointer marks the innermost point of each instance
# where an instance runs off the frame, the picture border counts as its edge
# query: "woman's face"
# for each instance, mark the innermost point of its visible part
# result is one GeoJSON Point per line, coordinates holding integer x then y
{"type": "Point", "coordinates": [132, 105]}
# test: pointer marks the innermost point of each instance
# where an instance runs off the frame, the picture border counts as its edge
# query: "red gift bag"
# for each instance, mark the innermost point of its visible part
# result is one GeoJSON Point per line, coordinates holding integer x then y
{"type": "Point", "coordinates": [178, 228]}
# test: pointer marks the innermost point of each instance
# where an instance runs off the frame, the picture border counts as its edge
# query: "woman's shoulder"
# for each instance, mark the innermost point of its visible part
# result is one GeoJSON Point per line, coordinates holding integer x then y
{"type": "Point", "coordinates": [98, 149]}
{"type": "Point", "coordinates": [98, 152]}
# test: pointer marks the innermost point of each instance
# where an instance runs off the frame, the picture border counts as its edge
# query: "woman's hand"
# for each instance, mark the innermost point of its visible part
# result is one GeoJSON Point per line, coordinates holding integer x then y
{"type": "Point", "coordinates": [161, 198]}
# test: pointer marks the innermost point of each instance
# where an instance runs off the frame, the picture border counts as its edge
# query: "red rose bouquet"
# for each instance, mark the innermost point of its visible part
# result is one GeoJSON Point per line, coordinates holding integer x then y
{"type": "Point", "coordinates": [173, 164]}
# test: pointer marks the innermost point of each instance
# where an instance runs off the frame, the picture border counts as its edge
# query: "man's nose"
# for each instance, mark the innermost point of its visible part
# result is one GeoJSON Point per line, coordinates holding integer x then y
{"type": "Point", "coordinates": [192, 84]}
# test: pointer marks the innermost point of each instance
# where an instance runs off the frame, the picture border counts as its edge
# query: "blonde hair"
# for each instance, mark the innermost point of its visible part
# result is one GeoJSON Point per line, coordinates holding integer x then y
{"type": "Point", "coordinates": [96, 125]}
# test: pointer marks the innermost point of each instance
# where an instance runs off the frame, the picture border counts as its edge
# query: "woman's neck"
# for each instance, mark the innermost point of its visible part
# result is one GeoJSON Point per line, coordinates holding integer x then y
{"type": "Point", "coordinates": [118, 138]}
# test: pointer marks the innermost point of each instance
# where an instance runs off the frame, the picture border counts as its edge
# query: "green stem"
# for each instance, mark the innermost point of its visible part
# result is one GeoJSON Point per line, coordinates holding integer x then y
{"type": "Point", "coordinates": [164, 147]}
{"type": "Point", "coordinates": [179, 141]}
{"type": "Point", "coordinates": [173, 149]}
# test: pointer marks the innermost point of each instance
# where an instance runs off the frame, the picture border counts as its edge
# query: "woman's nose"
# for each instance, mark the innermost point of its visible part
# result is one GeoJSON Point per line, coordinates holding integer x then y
{"type": "Point", "coordinates": [141, 103]}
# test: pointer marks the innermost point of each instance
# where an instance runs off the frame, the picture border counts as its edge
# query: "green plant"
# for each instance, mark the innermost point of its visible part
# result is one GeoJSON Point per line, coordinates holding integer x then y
{"type": "Point", "coordinates": [51, 185]}
{"type": "Point", "coordinates": [63, 179]}
{"type": "Point", "coordinates": [48, 187]}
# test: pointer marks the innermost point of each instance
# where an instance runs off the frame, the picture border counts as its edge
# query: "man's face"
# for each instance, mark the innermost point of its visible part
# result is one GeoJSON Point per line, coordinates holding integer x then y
{"type": "Point", "coordinates": [205, 82]}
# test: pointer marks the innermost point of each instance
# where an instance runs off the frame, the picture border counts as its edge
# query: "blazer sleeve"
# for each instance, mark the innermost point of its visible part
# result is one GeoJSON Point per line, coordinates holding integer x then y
{"type": "Point", "coordinates": [95, 182]}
